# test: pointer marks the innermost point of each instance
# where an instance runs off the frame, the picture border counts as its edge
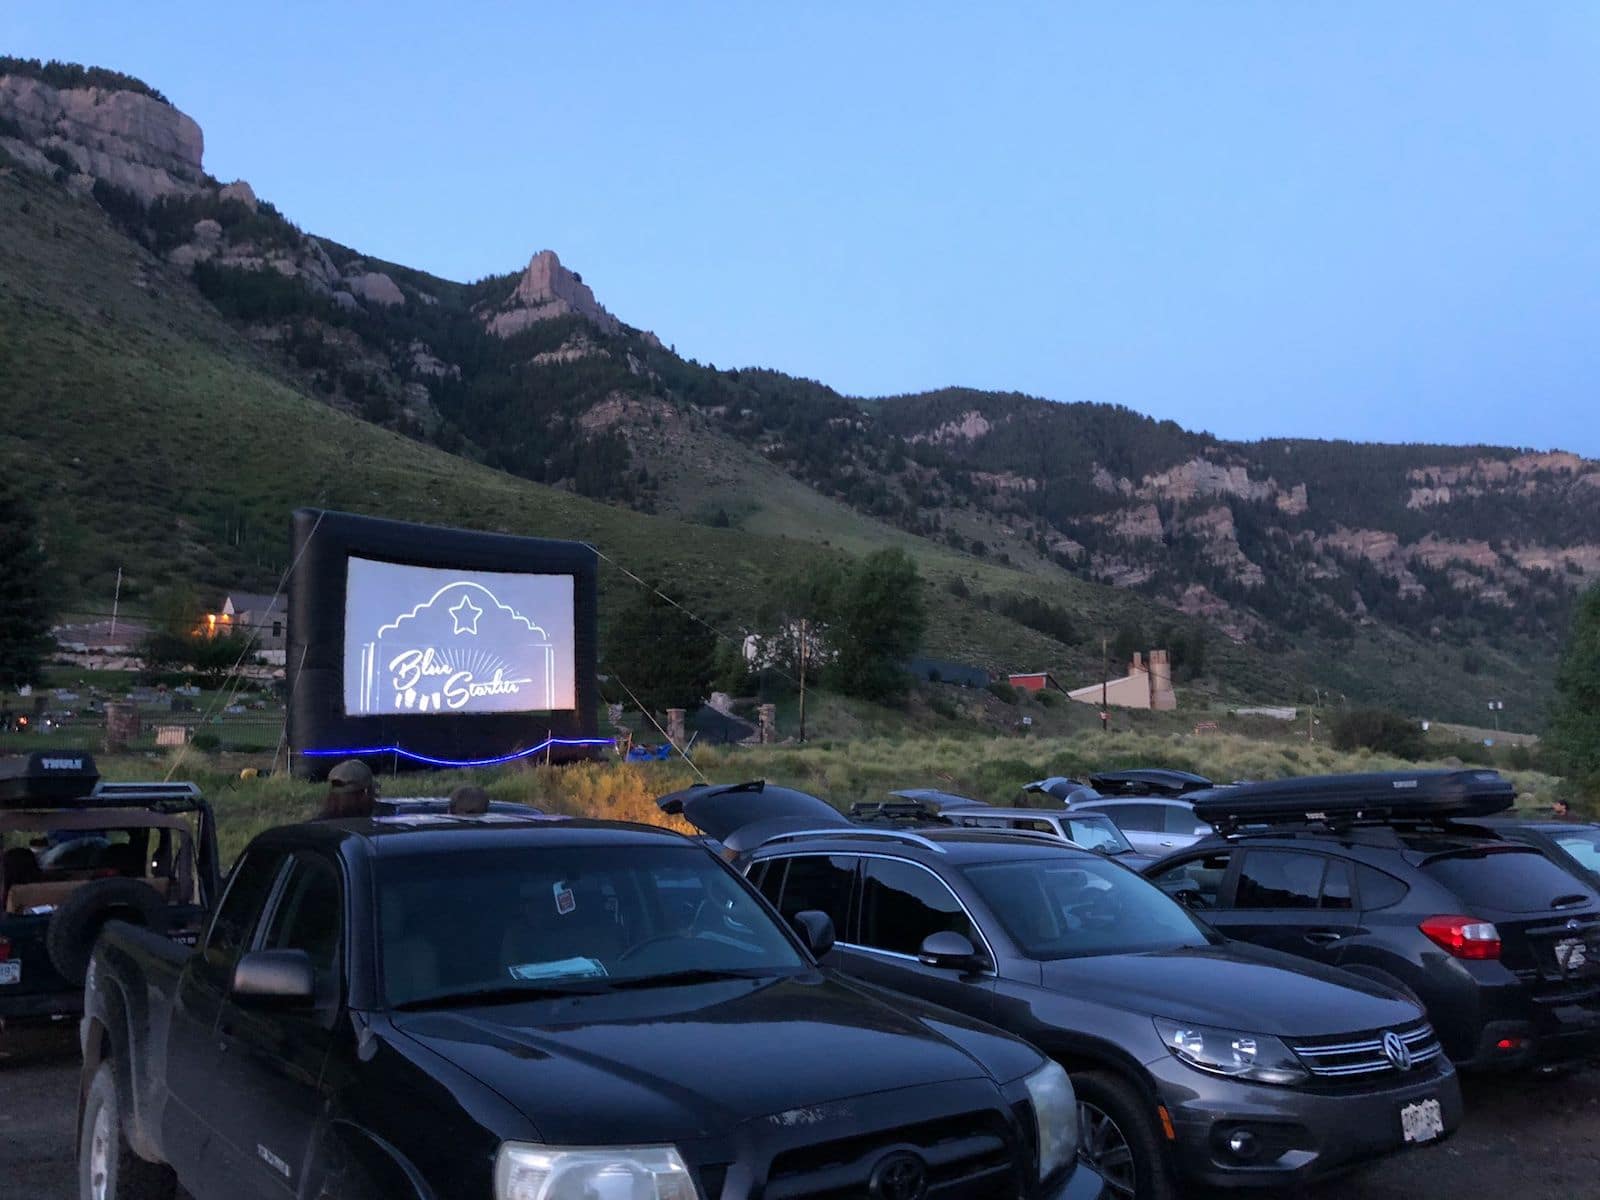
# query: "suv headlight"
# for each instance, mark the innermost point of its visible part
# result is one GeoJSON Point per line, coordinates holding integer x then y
{"type": "Point", "coordinates": [1253, 1056]}
{"type": "Point", "coordinates": [1055, 1110]}
{"type": "Point", "coordinates": [529, 1172]}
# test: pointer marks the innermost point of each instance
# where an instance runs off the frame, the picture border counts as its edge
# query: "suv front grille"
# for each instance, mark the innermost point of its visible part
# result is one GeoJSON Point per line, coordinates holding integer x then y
{"type": "Point", "coordinates": [1363, 1056]}
{"type": "Point", "coordinates": [967, 1156]}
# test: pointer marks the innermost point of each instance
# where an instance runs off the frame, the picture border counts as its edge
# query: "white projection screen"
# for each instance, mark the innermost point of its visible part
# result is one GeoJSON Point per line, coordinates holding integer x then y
{"type": "Point", "coordinates": [427, 641]}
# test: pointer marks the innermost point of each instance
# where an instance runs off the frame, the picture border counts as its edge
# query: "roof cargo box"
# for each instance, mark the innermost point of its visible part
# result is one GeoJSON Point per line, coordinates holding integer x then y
{"type": "Point", "coordinates": [1343, 799]}
{"type": "Point", "coordinates": [1148, 781]}
{"type": "Point", "coordinates": [46, 778]}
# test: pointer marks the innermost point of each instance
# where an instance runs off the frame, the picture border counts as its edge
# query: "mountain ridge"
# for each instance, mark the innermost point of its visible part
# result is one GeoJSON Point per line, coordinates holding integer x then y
{"type": "Point", "coordinates": [1467, 553]}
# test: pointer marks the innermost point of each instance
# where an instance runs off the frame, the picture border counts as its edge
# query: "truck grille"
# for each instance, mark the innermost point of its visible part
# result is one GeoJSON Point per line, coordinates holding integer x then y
{"type": "Point", "coordinates": [1362, 1056]}
{"type": "Point", "coordinates": [970, 1155]}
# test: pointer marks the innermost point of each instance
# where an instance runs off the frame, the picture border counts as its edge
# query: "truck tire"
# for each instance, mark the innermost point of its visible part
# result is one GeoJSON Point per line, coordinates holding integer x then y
{"type": "Point", "coordinates": [108, 1169]}
{"type": "Point", "coordinates": [1117, 1134]}
{"type": "Point", "coordinates": [69, 940]}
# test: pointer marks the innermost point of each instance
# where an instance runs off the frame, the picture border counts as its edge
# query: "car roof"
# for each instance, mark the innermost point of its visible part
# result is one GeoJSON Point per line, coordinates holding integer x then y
{"type": "Point", "coordinates": [1379, 843]}
{"type": "Point", "coordinates": [1032, 814]}
{"type": "Point", "coordinates": [955, 845]}
{"type": "Point", "coordinates": [437, 833]}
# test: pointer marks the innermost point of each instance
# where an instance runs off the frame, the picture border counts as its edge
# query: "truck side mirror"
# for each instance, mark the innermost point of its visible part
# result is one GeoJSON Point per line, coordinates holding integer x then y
{"type": "Point", "coordinates": [275, 979]}
{"type": "Point", "coordinates": [816, 931]}
{"type": "Point", "coordinates": [949, 951]}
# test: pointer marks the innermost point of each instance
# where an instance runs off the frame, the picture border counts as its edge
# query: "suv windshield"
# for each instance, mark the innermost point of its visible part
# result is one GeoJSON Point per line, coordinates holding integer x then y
{"type": "Point", "coordinates": [1509, 880]}
{"type": "Point", "coordinates": [1096, 833]}
{"type": "Point", "coordinates": [499, 923]}
{"type": "Point", "coordinates": [1070, 908]}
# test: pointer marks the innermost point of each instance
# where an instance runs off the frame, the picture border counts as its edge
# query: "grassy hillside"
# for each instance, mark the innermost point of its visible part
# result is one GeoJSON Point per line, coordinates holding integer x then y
{"type": "Point", "coordinates": [161, 440]}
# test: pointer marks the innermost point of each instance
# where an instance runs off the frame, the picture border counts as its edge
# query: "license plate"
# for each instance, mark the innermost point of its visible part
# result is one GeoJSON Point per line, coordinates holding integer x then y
{"type": "Point", "coordinates": [10, 972]}
{"type": "Point", "coordinates": [1572, 954]}
{"type": "Point", "coordinates": [1422, 1121]}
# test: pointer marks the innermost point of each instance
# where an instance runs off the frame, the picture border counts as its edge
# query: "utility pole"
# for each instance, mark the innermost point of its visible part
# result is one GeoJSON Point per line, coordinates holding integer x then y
{"type": "Point", "coordinates": [1495, 707]}
{"type": "Point", "coordinates": [1105, 684]}
{"type": "Point", "coordinates": [804, 641]}
{"type": "Point", "coordinates": [116, 598]}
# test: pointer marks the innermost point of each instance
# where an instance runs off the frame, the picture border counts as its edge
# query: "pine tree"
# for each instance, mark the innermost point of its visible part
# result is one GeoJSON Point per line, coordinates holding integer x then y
{"type": "Point", "coordinates": [1574, 725]}
{"type": "Point", "coordinates": [24, 614]}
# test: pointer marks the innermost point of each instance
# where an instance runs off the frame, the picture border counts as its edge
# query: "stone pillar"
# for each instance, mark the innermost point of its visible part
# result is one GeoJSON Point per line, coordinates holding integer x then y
{"type": "Point", "coordinates": [767, 714]}
{"type": "Point", "coordinates": [675, 733]}
{"type": "Point", "coordinates": [122, 724]}
{"type": "Point", "coordinates": [1162, 697]}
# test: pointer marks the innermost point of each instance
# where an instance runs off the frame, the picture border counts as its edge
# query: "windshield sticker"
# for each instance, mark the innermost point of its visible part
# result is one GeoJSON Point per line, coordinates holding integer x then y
{"type": "Point", "coordinates": [561, 968]}
{"type": "Point", "coordinates": [565, 900]}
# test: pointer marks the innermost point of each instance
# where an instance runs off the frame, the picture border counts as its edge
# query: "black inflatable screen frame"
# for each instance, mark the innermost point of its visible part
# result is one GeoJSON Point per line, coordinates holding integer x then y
{"type": "Point", "coordinates": [323, 541]}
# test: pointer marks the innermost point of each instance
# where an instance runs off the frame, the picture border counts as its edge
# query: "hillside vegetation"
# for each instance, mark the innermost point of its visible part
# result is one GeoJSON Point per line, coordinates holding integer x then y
{"type": "Point", "coordinates": [188, 365]}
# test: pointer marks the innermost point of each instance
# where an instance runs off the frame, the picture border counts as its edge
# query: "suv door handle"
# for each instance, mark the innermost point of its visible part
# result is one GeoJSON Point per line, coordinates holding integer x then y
{"type": "Point", "coordinates": [1324, 937]}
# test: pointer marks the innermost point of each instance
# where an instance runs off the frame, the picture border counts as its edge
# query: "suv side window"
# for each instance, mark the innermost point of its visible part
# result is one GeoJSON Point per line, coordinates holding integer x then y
{"type": "Point", "coordinates": [818, 881]}
{"type": "Point", "coordinates": [1379, 889]}
{"type": "Point", "coordinates": [248, 886]}
{"type": "Point", "coordinates": [902, 903]}
{"type": "Point", "coordinates": [1142, 818]}
{"type": "Point", "coordinates": [1177, 818]}
{"type": "Point", "coordinates": [1286, 879]}
{"type": "Point", "coordinates": [1198, 878]}
{"type": "Point", "coordinates": [308, 916]}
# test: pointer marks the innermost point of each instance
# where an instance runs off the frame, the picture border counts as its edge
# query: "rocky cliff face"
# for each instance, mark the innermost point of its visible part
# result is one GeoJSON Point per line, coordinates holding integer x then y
{"type": "Point", "coordinates": [547, 290]}
{"type": "Point", "coordinates": [133, 141]}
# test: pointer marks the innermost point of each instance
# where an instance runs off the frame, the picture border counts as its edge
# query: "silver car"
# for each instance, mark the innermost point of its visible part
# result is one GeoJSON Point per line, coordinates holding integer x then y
{"type": "Point", "coordinates": [1154, 824]}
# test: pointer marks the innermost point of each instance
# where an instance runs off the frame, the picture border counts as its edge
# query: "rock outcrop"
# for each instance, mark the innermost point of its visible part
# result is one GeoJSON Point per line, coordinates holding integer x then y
{"type": "Point", "coordinates": [545, 291]}
{"type": "Point", "coordinates": [124, 138]}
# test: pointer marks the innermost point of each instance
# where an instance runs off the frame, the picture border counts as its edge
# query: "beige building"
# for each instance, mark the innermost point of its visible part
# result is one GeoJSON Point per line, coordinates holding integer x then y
{"type": "Point", "coordinates": [1146, 685]}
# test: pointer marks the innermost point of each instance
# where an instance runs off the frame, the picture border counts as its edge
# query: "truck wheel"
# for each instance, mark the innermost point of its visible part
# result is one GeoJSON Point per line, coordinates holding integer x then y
{"type": "Point", "coordinates": [1117, 1135]}
{"type": "Point", "coordinates": [108, 1169]}
{"type": "Point", "coordinates": [69, 940]}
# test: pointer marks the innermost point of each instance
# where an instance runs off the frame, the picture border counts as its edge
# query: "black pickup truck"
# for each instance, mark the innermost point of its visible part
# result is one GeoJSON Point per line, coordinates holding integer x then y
{"type": "Point", "coordinates": [513, 1007]}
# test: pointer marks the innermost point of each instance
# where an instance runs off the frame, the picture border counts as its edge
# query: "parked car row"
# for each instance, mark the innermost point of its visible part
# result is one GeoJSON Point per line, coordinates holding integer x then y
{"type": "Point", "coordinates": [1393, 887]}
{"type": "Point", "coordinates": [929, 997]}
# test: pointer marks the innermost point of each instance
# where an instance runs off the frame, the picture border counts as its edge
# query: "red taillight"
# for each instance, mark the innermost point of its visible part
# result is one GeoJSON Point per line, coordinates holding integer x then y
{"type": "Point", "coordinates": [1463, 937]}
{"type": "Point", "coordinates": [5, 949]}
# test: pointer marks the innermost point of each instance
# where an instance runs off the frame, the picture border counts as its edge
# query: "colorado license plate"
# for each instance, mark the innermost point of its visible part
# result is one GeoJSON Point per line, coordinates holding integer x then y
{"type": "Point", "coordinates": [10, 972]}
{"type": "Point", "coordinates": [1422, 1121]}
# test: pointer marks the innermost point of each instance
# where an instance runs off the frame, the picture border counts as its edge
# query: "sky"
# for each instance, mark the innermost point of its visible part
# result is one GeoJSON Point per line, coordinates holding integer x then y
{"type": "Point", "coordinates": [1323, 218]}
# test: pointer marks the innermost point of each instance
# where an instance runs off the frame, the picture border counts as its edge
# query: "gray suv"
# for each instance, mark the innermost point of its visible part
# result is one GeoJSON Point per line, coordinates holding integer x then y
{"type": "Point", "coordinates": [1193, 1058]}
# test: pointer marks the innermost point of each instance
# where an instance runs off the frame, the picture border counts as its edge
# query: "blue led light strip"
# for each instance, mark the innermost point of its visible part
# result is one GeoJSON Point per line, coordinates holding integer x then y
{"type": "Point", "coordinates": [459, 762]}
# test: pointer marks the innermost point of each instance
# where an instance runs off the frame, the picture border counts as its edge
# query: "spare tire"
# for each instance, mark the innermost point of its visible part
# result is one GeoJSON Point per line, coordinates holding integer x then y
{"type": "Point", "coordinates": [76, 925]}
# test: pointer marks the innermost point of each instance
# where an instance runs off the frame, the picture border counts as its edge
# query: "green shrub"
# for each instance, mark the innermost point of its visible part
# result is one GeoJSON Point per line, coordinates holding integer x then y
{"type": "Point", "coordinates": [205, 742]}
{"type": "Point", "coordinates": [944, 707]}
{"type": "Point", "coordinates": [1004, 692]}
{"type": "Point", "coordinates": [1381, 730]}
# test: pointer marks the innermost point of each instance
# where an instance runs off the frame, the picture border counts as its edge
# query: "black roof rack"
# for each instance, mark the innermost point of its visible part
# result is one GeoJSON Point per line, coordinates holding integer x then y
{"type": "Point", "coordinates": [1148, 781]}
{"type": "Point", "coordinates": [1341, 801]}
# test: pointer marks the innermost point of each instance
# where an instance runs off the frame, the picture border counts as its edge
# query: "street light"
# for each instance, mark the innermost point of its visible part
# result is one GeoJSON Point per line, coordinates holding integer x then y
{"type": "Point", "coordinates": [1497, 707]}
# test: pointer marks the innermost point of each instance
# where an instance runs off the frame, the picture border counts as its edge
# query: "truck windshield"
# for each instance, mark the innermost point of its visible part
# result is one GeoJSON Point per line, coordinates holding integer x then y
{"type": "Point", "coordinates": [498, 923]}
{"type": "Point", "coordinates": [1056, 908]}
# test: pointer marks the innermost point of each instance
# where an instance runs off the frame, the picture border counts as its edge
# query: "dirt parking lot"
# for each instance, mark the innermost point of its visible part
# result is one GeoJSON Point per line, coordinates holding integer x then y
{"type": "Point", "coordinates": [1533, 1139]}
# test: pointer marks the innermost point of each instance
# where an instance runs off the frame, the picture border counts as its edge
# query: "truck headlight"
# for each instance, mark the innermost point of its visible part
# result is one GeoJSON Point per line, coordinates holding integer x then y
{"type": "Point", "coordinates": [1055, 1109]}
{"type": "Point", "coordinates": [529, 1172]}
{"type": "Point", "coordinates": [1252, 1056]}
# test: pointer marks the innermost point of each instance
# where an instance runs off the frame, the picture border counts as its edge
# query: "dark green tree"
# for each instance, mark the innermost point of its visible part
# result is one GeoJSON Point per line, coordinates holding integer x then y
{"type": "Point", "coordinates": [1129, 640]}
{"type": "Point", "coordinates": [24, 610]}
{"type": "Point", "coordinates": [879, 617]}
{"type": "Point", "coordinates": [660, 653]}
{"type": "Point", "coordinates": [1380, 730]}
{"type": "Point", "coordinates": [1574, 736]}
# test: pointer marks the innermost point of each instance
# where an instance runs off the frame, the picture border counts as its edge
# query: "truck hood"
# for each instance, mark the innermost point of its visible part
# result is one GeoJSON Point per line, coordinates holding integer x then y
{"type": "Point", "coordinates": [1236, 987]}
{"type": "Point", "coordinates": [675, 1063]}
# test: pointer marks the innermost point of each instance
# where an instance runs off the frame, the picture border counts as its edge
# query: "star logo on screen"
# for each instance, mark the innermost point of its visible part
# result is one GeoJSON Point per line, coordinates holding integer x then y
{"type": "Point", "coordinates": [466, 615]}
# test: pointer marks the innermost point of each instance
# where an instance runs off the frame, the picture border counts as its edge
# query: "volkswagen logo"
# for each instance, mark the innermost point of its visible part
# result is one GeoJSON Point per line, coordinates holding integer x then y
{"type": "Point", "coordinates": [1396, 1051]}
{"type": "Point", "coordinates": [899, 1176]}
